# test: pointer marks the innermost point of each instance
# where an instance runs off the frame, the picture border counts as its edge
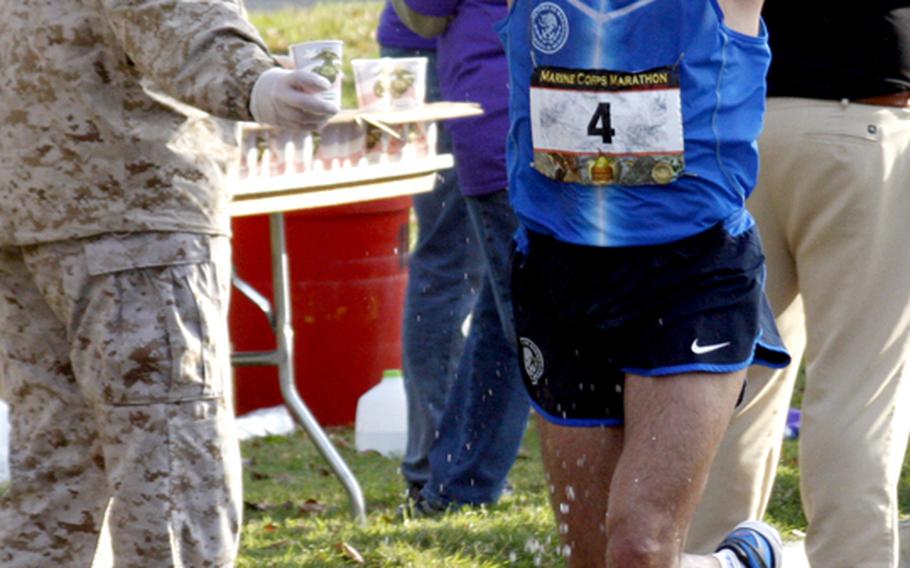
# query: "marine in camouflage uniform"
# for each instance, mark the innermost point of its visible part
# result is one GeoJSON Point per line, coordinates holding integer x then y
{"type": "Point", "coordinates": [114, 277]}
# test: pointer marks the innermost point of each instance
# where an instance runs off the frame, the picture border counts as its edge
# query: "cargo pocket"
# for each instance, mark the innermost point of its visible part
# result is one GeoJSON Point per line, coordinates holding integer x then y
{"type": "Point", "coordinates": [158, 302]}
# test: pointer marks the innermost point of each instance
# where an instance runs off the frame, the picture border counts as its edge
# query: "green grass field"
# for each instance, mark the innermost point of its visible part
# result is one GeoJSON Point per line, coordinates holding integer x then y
{"type": "Point", "coordinates": [297, 514]}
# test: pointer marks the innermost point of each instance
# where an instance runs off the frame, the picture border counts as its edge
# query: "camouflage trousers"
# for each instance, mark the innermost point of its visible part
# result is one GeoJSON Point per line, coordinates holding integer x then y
{"type": "Point", "coordinates": [114, 358]}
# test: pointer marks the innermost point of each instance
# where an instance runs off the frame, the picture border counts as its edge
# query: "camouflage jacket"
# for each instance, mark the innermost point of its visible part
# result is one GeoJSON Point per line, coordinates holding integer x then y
{"type": "Point", "coordinates": [92, 136]}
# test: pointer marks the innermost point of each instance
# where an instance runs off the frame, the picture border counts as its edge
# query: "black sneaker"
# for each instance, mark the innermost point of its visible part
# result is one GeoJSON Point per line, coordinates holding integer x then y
{"type": "Point", "coordinates": [420, 508]}
{"type": "Point", "coordinates": [413, 491]}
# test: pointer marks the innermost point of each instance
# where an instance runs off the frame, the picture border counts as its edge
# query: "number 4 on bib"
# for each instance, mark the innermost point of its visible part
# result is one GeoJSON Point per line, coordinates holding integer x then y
{"type": "Point", "coordinates": [601, 124]}
{"type": "Point", "coordinates": [607, 127]}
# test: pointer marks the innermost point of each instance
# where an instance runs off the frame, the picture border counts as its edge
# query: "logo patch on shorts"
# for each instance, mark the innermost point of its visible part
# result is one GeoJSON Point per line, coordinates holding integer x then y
{"type": "Point", "coordinates": [702, 349]}
{"type": "Point", "coordinates": [532, 359]}
{"type": "Point", "coordinates": [549, 28]}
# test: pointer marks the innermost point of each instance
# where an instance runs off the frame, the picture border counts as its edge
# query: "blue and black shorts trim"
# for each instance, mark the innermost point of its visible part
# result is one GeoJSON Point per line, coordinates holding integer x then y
{"type": "Point", "coordinates": [587, 316]}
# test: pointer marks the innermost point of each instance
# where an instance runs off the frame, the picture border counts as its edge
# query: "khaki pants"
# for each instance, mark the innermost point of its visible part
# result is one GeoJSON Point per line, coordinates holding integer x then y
{"type": "Point", "coordinates": [833, 206]}
{"type": "Point", "coordinates": [114, 358]}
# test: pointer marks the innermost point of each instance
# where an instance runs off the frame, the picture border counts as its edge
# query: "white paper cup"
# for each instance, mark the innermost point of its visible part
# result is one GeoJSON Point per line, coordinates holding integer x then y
{"type": "Point", "coordinates": [323, 58]}
{"type": "Point", "coordinates": [407, 81]}
{"type": "Point", "coordinates": [371, 82]}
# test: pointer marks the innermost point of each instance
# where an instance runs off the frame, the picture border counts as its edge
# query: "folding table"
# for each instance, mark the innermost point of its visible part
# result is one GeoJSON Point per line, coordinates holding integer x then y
{"type": "Point", "coordinates": [373, 155]}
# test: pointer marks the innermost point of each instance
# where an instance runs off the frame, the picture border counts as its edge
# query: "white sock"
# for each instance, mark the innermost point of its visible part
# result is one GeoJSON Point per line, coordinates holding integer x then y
{"type": "Point", "coordinates": [727, 559]}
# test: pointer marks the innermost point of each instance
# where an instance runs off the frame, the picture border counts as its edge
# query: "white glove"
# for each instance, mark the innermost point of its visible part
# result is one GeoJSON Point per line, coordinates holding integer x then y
{"type": "Point", "coordinates": [287, 98]}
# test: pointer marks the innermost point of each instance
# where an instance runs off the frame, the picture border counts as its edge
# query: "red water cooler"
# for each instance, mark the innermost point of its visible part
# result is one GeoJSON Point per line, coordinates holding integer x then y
{"type": "Point", "coordinates": [348, 273]}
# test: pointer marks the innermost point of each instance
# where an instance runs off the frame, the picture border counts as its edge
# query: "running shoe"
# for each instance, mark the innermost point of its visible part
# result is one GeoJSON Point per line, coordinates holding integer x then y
{"type": "Point", "coordinates": [755, 544]}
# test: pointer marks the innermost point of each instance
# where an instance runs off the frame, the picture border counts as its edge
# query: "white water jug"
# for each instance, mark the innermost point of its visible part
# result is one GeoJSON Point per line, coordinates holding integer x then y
{"type": "Point", "coordinates": [381, 423]}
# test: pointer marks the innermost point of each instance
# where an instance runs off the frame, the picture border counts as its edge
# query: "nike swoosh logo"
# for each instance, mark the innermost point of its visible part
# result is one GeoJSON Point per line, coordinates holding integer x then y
{"type": "Point", "coordinates": [702, 349]}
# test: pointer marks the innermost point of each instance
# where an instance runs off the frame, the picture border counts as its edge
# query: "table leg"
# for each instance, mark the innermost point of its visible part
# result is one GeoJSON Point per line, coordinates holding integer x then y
{"type": "Point", "coordinates": [283, 358]}
{"type": "Point", "coordinates": [284, 333]}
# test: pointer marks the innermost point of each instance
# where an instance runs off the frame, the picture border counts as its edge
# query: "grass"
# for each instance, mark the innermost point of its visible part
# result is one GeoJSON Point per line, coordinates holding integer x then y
{"type": "Point", "coordinates": [297, 514]}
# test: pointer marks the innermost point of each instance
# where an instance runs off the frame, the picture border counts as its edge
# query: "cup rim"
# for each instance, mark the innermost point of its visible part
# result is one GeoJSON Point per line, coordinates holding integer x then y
{"type": "Point", "coordinates": [317, 42]}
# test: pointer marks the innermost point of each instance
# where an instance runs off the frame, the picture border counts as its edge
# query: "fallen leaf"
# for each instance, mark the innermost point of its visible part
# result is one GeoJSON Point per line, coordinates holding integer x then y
{"type": "Point", "coordinates": [257, 507]}
{"type": "Point", "coordinates": [313, 507]}
{"type": "Point", "coordinates": [258, 476]}
{"type": "Point", "coordinates": [349, 552]}
{"type": "Point", "coordinates": [271, 527]}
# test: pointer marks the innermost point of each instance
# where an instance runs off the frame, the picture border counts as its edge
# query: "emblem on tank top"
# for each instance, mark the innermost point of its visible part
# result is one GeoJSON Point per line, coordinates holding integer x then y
{"type": "Point", "coordinates": [532, 359]}
{"type": "Point", "coordinates": [549, 28]}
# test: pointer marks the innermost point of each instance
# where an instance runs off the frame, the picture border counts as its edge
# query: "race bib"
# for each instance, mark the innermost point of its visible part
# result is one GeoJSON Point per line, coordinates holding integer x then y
{"type": "Point", "coordinates": [607, 127]}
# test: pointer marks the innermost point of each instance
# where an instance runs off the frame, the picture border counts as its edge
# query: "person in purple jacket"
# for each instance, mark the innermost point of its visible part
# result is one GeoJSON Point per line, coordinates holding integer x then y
{"type": "Point", "coordinates": [487, 407]}
{"type": "Point", "coordinates": [444, 275]}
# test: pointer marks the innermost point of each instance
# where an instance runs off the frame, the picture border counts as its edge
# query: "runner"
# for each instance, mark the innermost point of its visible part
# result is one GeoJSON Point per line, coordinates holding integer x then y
{"type": "Point", "coordinates": [638, 281]}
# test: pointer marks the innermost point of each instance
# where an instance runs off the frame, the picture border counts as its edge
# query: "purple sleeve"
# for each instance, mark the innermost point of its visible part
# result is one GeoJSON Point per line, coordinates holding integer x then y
{"type": "Point", "coordinates": [393, 33]}
{"type": "Point", "coordinates": [437, 8]}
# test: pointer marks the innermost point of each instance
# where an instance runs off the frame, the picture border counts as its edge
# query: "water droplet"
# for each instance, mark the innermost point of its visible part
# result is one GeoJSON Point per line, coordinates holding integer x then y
{"type": "Point", "coordinates": [570, 493]}
{"type": "Point", "coordinates": [418, 318]}
{"type": "Point", "coordinates": [636, 480]}
{"type": "Point", "coordinates": [563, 528]}
{"type": "Point", "coordinates": [564, 508]}
{"type": "Point", "coordinates": [653, 438]}
{"type": "Point", "coordinates": [468, 446]}
{"type": "Point", "coordinates": [449, 459]}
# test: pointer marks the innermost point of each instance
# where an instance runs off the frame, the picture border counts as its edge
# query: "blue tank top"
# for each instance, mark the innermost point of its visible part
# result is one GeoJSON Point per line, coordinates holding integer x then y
{"type": "Point", "coordinates": [633, 122]}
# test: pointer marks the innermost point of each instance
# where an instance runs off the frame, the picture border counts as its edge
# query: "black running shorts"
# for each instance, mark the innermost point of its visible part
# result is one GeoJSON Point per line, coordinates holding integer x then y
{"type": "Point", "coordinates": [586, 316]}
